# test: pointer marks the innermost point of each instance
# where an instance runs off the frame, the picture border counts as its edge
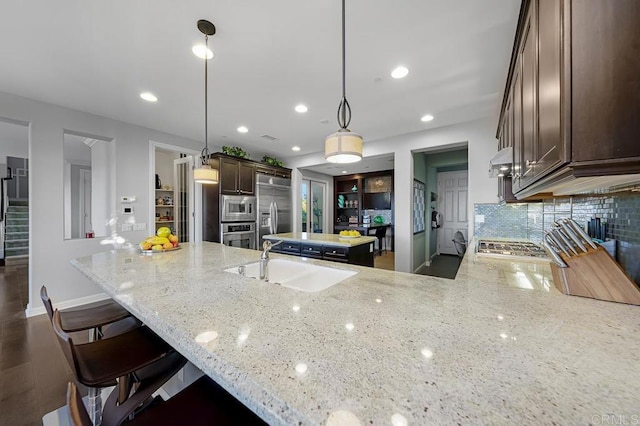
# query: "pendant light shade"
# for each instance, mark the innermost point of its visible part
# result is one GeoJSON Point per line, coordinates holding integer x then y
{"type": "Point", "coordinates": [205, 174]}
{"type": "Point", "coordinates": [343, 146]}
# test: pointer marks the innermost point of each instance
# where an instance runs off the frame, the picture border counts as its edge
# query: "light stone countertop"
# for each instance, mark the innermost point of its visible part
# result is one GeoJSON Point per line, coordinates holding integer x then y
{"type": "Point", "coordinates": [333, 239]}
{"type": "Point", "coordinates": [499, 344]}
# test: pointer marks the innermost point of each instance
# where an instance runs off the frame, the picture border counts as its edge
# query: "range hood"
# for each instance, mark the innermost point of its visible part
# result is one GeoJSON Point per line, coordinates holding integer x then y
{"type": "Point", "coordinates": [501, 163]}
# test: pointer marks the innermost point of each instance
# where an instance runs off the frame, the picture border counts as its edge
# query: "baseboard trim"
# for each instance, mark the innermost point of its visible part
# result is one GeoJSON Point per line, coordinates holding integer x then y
{"type": "Point", "coordinates": [39, 310]}
{"type": "Point", "coordinates": [415, 271]}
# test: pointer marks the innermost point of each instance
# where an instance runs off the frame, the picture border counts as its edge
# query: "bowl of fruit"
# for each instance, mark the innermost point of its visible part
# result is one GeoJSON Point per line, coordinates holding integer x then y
{"type": "Point", "coordinates": [163, 241]}
{"type": "Point", "coordinates": [349, 234]}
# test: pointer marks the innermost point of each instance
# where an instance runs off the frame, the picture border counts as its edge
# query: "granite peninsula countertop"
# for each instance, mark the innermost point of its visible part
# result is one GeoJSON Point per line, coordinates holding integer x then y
{"type": "Point", "coordinates": [499, 344]}
{"type": "Point", "coordinates": [333, 239]}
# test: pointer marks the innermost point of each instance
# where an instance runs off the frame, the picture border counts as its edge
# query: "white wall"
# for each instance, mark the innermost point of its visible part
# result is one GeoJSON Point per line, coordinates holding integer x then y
{"type": "Point", "coordinates": [479, 135]}
{"type": "Point", "coordinates": [49, 252]}
{"type": "Point", "coordinates": [164, 166]}
{"type": "Point", "coordinates": [419, 240]}
{"type": "Point", "coordinates": [14, 142]}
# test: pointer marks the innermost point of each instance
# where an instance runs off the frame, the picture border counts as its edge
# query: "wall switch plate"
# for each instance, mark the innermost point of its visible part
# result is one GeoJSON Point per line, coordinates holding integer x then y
{"type": "Point", "coordinates": [126, 227]}
{"type": "Point", "coordinates": [140, 226]}
{"type": "Point", "coordinates": [127, 199]}
{"type": "Point", "coordinates": [127, 209]}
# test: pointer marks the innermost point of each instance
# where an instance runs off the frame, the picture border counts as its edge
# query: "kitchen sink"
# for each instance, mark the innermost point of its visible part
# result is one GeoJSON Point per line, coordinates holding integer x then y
{"type": "Point", "coordinates": [297, 275]}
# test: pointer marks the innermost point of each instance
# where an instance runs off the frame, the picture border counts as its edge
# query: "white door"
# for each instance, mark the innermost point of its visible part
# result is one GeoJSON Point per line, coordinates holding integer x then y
{"type": "Point", "coordinates": [313, 203]}
{"type": "Point", "coordinates": [453, 196]}
{"type": "Point", "coordinates": [184, 206]}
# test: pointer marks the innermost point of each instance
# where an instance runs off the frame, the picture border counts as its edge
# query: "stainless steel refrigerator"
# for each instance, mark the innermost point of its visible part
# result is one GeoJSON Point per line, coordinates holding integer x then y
{"type": "Point", "coordinates": [274, 206]}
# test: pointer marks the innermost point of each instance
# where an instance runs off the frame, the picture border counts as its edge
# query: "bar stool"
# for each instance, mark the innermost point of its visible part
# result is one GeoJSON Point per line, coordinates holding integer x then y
{"type": "Point", "coordinates": [93, 316]}
{"type": "Point", "coordinates": [202, 403]}
{"type": "Point", "coordinates": [381, 234]}
{"type": "Point", "coordinates": [136, 358]}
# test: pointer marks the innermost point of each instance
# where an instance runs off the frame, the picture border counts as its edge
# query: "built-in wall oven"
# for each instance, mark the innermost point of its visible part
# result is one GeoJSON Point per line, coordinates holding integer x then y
{"type": "Point", "coordinates": [239, 234]}
{"type": "Point", "coordinates": [238, 221]}
{"type": "Point", "coordinates": [238, 208]}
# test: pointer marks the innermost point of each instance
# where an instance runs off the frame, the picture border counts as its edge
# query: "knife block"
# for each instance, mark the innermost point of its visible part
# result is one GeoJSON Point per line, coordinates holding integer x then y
{"type": "Point", "coordinates": [597, 275]}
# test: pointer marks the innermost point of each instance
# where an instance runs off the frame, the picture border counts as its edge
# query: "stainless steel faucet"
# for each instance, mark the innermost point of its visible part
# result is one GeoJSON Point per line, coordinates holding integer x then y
{"type": "Point", "coordinates": [264, 259]}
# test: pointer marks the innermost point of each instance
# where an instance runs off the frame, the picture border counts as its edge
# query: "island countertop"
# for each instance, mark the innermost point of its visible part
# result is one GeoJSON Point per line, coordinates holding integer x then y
{"type": "Point", "coordinates": [498, 344]}
{"type": "Point", "coordinates": [309, 237]}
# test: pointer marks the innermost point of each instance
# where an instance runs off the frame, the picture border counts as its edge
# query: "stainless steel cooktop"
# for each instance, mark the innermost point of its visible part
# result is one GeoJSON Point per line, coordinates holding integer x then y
{"type": "Point", "coordinates": [510, 248]}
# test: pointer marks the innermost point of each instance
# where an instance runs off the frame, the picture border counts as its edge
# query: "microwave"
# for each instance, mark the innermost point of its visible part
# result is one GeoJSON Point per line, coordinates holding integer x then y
{"type": "Point", "coordinates": [238, 208]}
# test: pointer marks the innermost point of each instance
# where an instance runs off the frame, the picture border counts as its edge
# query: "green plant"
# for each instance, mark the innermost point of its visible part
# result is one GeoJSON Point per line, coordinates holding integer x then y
{"type": "Point", "coordinates": [272, 161]}
{"type": "Point", "coordinates": [235, 151]}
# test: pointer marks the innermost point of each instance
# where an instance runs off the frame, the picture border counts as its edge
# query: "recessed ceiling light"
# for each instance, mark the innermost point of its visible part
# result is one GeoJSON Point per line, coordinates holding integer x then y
{"type": "Point", "coordinates": [149, 97]}
{"type": "Point", "coordinates": [243, 129]}
{"type": "Point", "coordinates": [295, 148]}
{"type": "Point", "coordinates": [344, 172]}
{"type": "Point", "coordinates": [200, 50]}
{"type": "Point", "coordinates": [427, 117]}
{"type": "Point", "coordinates": [400, 72]}
{"type": "Point", "coordinates": [301, 108]}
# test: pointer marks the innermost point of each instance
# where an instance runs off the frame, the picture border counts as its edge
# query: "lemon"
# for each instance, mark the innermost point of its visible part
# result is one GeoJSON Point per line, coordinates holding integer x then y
{"type": "Point", "coordinates": [163, 232]}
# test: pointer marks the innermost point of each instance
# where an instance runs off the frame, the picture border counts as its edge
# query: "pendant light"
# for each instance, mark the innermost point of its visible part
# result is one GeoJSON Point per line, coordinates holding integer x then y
{"type": "Point", "coordinates": [205, 173]}
{"type": "Point", "coordinates": [343, 146]}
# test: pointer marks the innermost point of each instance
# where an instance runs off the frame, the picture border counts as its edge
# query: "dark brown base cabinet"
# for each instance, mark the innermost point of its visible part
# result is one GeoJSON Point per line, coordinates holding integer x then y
{"type": "Point", "coordinates": [356, 255]}
{"type": "Point", "coordinates": [571, 106]}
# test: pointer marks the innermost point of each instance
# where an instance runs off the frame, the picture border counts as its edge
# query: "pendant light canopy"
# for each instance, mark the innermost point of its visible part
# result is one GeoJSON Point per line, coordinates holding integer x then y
{"type": "Point", "coordinates": [205, 173]}
{"type": "Point", "coordinates": [343, 146]}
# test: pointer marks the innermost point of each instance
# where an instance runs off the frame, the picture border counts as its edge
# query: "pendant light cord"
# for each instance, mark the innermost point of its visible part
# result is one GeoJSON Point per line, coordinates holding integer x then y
{"type": "Point", "coordinates": [344, 109]}
{"type": "Point", "coordinates": [344, 72]}
{"type": "Point", "coordinates": [205, 150]}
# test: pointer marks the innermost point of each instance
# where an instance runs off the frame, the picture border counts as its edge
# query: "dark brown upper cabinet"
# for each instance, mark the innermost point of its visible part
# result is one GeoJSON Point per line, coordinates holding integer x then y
{"type": "Point", "coordinates": [237, 177]}
{"type": "Point", "coordinates": [572, 99]}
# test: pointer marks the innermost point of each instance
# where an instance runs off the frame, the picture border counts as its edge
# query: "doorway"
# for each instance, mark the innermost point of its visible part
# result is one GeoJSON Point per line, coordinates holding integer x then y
{"type": "Point", "coordinates": [174, 197]}
{"type": "Point", "coordinates": [453, 188]}
{"type": "Point", "coordinates": [313, 197]}
{"type": "Point", "coordinates": [85, 203]}
{"type": "Point", "coordinates": [14, 192]}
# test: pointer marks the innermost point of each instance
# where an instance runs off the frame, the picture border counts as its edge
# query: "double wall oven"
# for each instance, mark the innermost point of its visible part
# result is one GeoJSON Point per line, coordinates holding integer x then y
{"type": "Point", "coordinates": [238, 221]}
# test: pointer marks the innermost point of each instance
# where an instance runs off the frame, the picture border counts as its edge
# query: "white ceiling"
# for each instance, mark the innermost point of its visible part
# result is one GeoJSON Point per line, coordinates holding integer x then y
{"type": "Point", "coordinates": [270, 55]}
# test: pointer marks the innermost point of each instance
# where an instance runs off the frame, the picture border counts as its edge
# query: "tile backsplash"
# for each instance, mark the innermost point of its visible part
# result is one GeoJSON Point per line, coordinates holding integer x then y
{"type": "Point", "coordinates": [386, 215]}
{"type": "Point", "coordinates": [621, 213]}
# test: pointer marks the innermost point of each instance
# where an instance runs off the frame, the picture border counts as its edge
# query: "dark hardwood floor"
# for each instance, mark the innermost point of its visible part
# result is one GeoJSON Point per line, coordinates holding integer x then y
{"type": "Point", "coordinates": [33, 371]}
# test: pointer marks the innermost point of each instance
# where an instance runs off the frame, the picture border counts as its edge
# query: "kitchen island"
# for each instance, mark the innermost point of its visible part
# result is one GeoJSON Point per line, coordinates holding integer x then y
{"type": "Point", "coordinates": [499, 344]}
{"type": "Point", "coordinates": [336, 248]}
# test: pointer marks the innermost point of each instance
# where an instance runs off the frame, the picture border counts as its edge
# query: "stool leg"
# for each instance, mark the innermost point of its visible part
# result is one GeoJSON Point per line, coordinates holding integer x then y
{"type": "Point", "coordinates": [94, 400]}
{"type": "Point", "coordinates": [94, 397]}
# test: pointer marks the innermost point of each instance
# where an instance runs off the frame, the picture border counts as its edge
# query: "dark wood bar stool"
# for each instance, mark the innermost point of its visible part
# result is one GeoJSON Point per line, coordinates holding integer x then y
{"type": "Point", "coordinates": [138, 358]}
{"type": "Point", "coordinates": [93, 316]}
{"type": "Point", "coordinates": [203, 403]}
{"type": "Point", "coordinates": [381, 235]}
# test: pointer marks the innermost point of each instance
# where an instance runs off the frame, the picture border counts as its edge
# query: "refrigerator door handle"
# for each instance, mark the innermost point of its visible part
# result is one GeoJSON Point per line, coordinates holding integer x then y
{"type": "Point", "coordinates": [271, 218]}
{"type": "Point", "coordinates": [275, 205]}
